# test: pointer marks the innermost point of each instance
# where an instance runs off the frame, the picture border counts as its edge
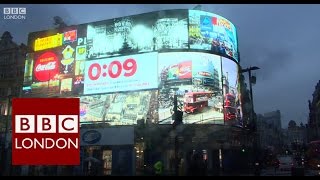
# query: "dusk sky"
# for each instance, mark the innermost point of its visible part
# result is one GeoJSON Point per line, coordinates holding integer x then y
{"type": "Point", "coordinates": [280, 39]}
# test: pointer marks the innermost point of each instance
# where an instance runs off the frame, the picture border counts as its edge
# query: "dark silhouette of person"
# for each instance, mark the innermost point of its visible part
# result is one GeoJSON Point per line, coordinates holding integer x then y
{"type": "Point", "coordinates": [214, 46]}
{"type": "Point", "coordinates": [197, 167]}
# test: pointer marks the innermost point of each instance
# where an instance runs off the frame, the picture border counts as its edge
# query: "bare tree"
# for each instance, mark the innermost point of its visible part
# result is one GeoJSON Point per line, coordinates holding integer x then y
{"type": "Point", "coordinates": [58, 21]}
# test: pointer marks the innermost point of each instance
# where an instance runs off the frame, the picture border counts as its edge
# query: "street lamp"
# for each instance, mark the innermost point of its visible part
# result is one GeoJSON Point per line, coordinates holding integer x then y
{"type": "Point", "coordinates": [177, 116]}
{"type": "Point", "coordinates": [251, 80]}
{"type": "Point", "coordinates": [250, 86]}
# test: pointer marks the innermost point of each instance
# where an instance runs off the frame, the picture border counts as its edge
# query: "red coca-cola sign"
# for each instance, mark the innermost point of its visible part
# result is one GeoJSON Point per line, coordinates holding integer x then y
{"type": "Point", "coordinates": [46, 67]}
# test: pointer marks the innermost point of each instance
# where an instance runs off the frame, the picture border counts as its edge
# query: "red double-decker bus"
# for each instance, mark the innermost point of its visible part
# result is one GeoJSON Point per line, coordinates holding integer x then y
{"type": "Point", "coordinates": [229, 100]}
{"type": "Point", "coordinates": [196, 101]}
{"type": "Point", "coordinates": [230, 111]}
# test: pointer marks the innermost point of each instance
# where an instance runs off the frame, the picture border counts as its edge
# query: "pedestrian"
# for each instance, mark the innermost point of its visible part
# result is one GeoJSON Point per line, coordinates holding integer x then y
{"type": "Point", "coordinates": [276, 166]}
{"type": "Point", "coordinates": [158, 168]}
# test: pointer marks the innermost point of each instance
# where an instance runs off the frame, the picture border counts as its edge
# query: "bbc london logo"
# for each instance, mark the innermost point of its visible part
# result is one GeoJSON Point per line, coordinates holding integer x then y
{"type": "Point", "coordinates": [45, 131]}
{"type": "Point", "coordinates": [14, 13]}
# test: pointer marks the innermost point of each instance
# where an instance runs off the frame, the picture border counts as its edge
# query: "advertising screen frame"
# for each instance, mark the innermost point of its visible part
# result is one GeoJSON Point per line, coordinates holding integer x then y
{"type": "Point", "coordinates": [79, 42]}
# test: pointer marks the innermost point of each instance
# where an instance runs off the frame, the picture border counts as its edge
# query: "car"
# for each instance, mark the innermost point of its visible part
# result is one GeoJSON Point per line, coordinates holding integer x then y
{"type": "Point", "coordinates": [285, 163]}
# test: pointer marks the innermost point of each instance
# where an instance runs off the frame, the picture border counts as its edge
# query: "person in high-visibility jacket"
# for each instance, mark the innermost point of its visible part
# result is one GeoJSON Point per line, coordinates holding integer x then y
{"type": "Point", "coordinates": [158, 168]}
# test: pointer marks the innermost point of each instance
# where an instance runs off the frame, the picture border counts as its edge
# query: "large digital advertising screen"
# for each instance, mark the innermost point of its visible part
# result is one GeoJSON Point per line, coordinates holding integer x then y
{"type": "Point", "coordinates": [129, 69]}
{"type": "Point", "coordinates": [214, 33]}
{"type": "Point", "coordinates": [140, 33]}
{"type": "Point", "coordinates": [56, 66]}
{"type": "Point", "coordinates": [125, 73]}
{"type": "Point", "coordinates": [232, 109]}
{"type": "Point", "coordinates": [196, 80]}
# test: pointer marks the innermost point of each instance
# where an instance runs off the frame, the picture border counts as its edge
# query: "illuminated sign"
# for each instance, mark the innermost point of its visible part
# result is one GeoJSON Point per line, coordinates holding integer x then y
{"type": "Point", "coordinates": [70, 36]}
{"type": "Point", "coordinates": [81, 52]}
{"type": "Point", "coordinates": [181, 70]}
{"type": "Point", "coordinates": [91, 136]}
{"type": "Point", "coordinates": [136, 34]}
{"type": "Point", "coordinates": [124, 73]}
{"type": "Point", "coordinates": [46, 66]}
{"type": "Point", "coordinates": [112, 64]}
{"type": "Point", "coordinates": [230, 85]}
{"type": "Point", "coordinates": [214, 33]}
{"type": "Point", "coordinates": [48, 42]}
{"type": "Point", "coordinates": [119, 108]}
{"type": "Point", "coordinates": [196, 79]}
{"type": "Point", "coordinates": [68, 58]}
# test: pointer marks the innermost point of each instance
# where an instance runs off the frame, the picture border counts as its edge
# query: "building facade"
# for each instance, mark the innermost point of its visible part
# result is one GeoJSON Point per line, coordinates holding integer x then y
{"type": "Point", "coordinates": [270, 132]}
{"type": "Point", "coordinates": [314, 115]}
{"type": "Point", "coordinates": [296, 134]}
{"type": "Point", "coordinates": [12, 58]}
{"type": "Point", "coordinates": [126, 83]}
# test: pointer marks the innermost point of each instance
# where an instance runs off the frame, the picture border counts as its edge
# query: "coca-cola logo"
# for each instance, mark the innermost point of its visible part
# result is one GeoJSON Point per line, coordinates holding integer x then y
{"type": "Point", "coordinates": [185, 70]}
{"type": "Point", "coordinates": [46, 67]}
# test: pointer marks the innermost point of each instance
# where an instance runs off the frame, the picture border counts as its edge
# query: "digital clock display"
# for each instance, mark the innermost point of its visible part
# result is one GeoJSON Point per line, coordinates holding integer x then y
{"type": "Point", "coordinates": [124, 73]}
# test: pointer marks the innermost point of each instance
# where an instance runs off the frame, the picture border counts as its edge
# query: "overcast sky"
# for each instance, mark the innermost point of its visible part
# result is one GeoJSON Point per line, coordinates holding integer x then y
{"type": "Point", "coordinates": [280, 39]}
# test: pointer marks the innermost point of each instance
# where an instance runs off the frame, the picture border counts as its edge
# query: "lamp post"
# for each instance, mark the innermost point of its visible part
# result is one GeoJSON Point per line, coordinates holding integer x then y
{"type": "Point", "coordinates": [250, 86]}
{"type": "Point", "coordinates": [177, 128]}
{"type": "Point", "coordinates": [253, 119]}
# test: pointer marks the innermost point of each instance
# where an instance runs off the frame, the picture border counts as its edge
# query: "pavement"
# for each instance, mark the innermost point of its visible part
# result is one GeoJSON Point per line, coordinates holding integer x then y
{"type": "Point", "coordinates": [271, 172]}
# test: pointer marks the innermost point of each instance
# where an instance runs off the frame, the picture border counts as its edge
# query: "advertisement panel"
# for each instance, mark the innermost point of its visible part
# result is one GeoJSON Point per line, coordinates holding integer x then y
{"type": "Point", "coordinates": [58, 70]}
{"type": "Point", "coordinates": [196, 80]}
{"type": "Point", "coordinates": [140, 33]}
{"type": "Point", "coordinates": [125, 73]}
{"type": "Point", "coordinates": [232, 109]}
{"type": "Point", "coordinates": [45, 73]}
{"type": "Point", "coordinates": [141, 53]}
{"type": "Point", "coordinates": [47, 66]}
{"type": "Point", "coordinates": [208, 31]}
{"type": "Point", "coordinates": [119, 108]}
{"type": "Point", "coordinates": [48, 42]}
{"type": "Point", "coordinates": [28, 69]}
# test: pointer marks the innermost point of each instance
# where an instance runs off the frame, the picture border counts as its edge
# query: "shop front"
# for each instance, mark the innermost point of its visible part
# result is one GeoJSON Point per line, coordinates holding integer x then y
{"type": "Point", "coordinates": [107, 151]}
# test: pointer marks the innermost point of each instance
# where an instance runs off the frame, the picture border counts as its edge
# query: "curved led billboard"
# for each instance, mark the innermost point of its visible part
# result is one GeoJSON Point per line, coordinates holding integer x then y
{"type": "Point", "coordinates": [155, 31]}
{"type": "Point", "coordinates": [231, 97]}
{"type": "Point", "coordinates": [128, 69]}
{"type": "Point", "coordinates": [118, 108]}
{"type": "Point", "coordinates": [214, 33]}
{"type": "Point", "coordinates": [138, 33]}
{"type": "Point", "coordinates": [196, 80]}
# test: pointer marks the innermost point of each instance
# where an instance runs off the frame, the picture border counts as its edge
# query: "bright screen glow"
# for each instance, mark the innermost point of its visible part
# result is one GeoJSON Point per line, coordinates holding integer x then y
{"type": "Point", "coordinates": [128, 69]}
{"type": "Point", "coordinates": [125, 73]}
{"type": "Point", "coordinates": [118, 108]}
{"type": "Point", "coordinates": [139, 33]}
{"type": "Point", "coordinates": [232, 108]}
{"type": "Point", "coordinates": [196, 79]}
{"type": "Point", "coordinates": [208, 31]}
{"type": "Point", "coordinates": [48, 42]}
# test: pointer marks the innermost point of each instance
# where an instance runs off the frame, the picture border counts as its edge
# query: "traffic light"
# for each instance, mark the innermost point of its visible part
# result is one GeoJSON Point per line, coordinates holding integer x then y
{"type": "Point", "coordinates": [243, 149]}
{"type": "Point", "coordinates": [177, 117]}
{"type": "Point", "coordinates": [177, 114]}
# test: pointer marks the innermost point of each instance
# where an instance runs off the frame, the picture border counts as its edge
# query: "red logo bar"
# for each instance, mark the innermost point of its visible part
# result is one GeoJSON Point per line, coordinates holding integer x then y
{"type": "Point", "coordinates": [45, 131]}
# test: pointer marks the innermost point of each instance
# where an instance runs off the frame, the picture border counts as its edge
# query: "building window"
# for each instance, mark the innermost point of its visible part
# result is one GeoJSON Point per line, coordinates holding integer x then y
{"type": "Point", "coordinates": [3, 92]}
